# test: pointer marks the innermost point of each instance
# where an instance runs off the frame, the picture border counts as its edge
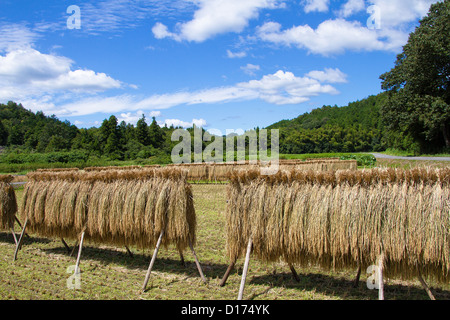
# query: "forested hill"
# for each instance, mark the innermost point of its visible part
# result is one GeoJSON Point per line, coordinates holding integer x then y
{"type": "Point", "coordinates": [22, 127]}
{"type": "Point", "coordinates": [25, 132]}
{"type": "Point", "coordinates": [354, 128]}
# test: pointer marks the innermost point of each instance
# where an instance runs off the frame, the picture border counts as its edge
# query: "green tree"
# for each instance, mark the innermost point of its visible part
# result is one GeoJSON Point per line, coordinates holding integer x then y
{"type": "Point", "coordinates": [418, 105]}
{"type": "Point", "coordinates": [15, 136]}
{"type": "Point", "coordinates": [3, 134]}
{"type": "Point", "coordinates": [111, 139]}
{"type": "Point", "coordinates": [156, 134]}
{"type": "Point", "coordinates": [142, 131]}
{"type": "Point", "coordinates": [56, 143]}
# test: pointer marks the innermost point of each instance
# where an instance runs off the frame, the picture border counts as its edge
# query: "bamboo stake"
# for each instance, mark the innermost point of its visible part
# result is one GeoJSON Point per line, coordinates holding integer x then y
{"type": "Point", "coordinates": [19, 244]}
{"type": "Point", "coordinates": [294, 273]}
{"type": "Point", "coordinates": [227, 274]}
{"type": "Point", "coordinates": [17, 220]}
{"type": "Point", "coordinates": [244, 273]}
{"type": "Point", "coordinates": [147, 276]}
{"type": "Point", "coordinates": [196, 262]}
{"type": "Point", "coordinates": [79, 254]}
{"type": "Point", "coordinates": [20, 225]}
{"type": "Point", "coordinates": [380, 278]}
{"type": "Point", "coordinates": [65, 245]}
{"type": "Point", "coordinates": [425, 286]}
{"type": "Point", "coordinates": [182, 259]}
{"type": "Point", "coordinates": [14, 236]}
{"type": "Point", "coordinates": [73, 249]}
{"type": "Point", "coordinates": [129, 252]}
{"type": "Point", "coordinates": [358, 275]}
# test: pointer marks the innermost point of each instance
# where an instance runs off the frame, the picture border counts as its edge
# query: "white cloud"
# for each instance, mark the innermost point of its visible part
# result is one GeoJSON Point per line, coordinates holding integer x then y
{"type": "Point", "coordinates": [216, 17]}
{"type": "Point", "coordinates": [28, 65]}
{"type": "Point", "coordinates": [16, 36]}
{"type": "Point", "coordinates": [155, 114]}
{"type": "Point", "coordinates": [133, 118]}
{"type": "Point", "coordinates": [116, 15]}
{"type": "Point", "coordinates": [179, 123]}
{"type": "Point", "coordinates": [250, 69]}
{"type": "Point", "coordinates": [285, 88]}
{"type": "Point", "coordinates": [160, 31]}
{"type": "Point", "coordinates": [316, 5]}
{"type": "Point", "coordinates": [240, 54]}
{"type": "Point", "coordinates": [279, 88]}
{"type": "Point", "coordinates": [328, 76]}
{"type": "Point", "coordinates": [351, 7]}
{"type": "Point", "coordinates": [336, 36]}
{"type": "Point", "coordinates": [28, 73]}
{"type": "Point", "coordinates": [130, 117]}
{"type": "Point", "coordinates": [399, 12]}
{"type": "Point", "coordinates": [330, 37]}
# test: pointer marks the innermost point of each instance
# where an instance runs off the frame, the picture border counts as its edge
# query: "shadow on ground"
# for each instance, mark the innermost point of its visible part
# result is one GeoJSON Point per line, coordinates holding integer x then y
{"type": "Point", "coordinates": [343, 288]}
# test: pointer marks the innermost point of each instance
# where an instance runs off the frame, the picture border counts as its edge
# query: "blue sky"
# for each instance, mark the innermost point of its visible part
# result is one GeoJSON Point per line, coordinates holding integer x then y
{"type": "Point", "coordinates": [221, 64]}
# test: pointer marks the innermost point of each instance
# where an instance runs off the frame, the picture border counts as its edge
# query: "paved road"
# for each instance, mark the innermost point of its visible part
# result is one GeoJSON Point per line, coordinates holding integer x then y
{"type": "Point", "coordinates": [385, 156]}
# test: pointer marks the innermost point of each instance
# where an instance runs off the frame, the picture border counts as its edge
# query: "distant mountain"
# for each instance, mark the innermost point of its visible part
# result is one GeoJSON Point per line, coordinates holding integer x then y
{"type": "Point", "coordinates": [356, 127]}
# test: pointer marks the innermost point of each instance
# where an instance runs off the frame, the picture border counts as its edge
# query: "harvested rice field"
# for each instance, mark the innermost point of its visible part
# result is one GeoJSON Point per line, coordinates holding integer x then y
{"type": "Point", "coordinates": [109, 272]}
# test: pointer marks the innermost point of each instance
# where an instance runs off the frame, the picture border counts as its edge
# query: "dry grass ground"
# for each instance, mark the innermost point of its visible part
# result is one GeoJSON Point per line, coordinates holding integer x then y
{"type": "Point", "coordinates": [109, 273]}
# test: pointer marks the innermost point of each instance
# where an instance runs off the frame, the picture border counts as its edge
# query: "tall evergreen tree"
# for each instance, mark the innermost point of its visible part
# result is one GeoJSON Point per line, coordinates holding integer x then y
{"type": "Point", "coordinates": [156, 134]}
{"type": "Point", "coordinates": [142, 131]}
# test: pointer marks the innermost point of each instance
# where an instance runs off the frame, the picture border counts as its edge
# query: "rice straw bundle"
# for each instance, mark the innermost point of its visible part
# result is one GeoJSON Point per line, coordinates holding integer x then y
{"type": "Point", "coordinates": [8, 203]}
{"type": "Point", "coordinates": [222, 171]}
{"type": "Point", "coordinates": [121, 207]}
{"type": "Point", "coordinates": [56, 169]}
{"type": "Point", "coordinates": [344, 219]}
{"type": "Point", "coordinates": [89, 169]}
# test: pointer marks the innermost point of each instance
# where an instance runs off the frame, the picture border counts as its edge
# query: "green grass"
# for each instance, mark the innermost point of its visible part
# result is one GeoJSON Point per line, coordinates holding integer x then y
{"type": "Point", "coordinates": [109, 273]}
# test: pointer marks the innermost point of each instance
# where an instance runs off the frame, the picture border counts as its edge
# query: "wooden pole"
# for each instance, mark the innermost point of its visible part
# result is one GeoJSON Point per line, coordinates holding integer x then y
{"type": "Point", "coordinates": [227, 274]}
{"type": "Point", "coordinates": [79, 254]}
{"type": "Point", "coordinates": [129, 252]}
{"type": "Point", "coordinates": [19, 244]}
{"type": "Point", "coordinates": [294, 273]}
{"type": "Point", "coordinates": [14, 236]}
{"type": "Point", "coordinates": [358, 275]}
{"type": "Point", "coordinates": [20, 225]}
{"type": "Point", "coordinates": [17, 220]}
{"type": "Point", "coordinates": [155, 253]}
{"type": "Point", "coordinates": [380, 278]}
{"type": "Point", "coordinates": [182, 259]}
{"type": "Point", "coordinates": [73, 249]}
{"type": "Point", "coordinates": [199, 268]}
{"type": "Point", "coordinates": [244, 273]}
{"type": "Point", "coordinates": [65, 245]}
{"type": "Point", "coordinates": [424, 285]}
